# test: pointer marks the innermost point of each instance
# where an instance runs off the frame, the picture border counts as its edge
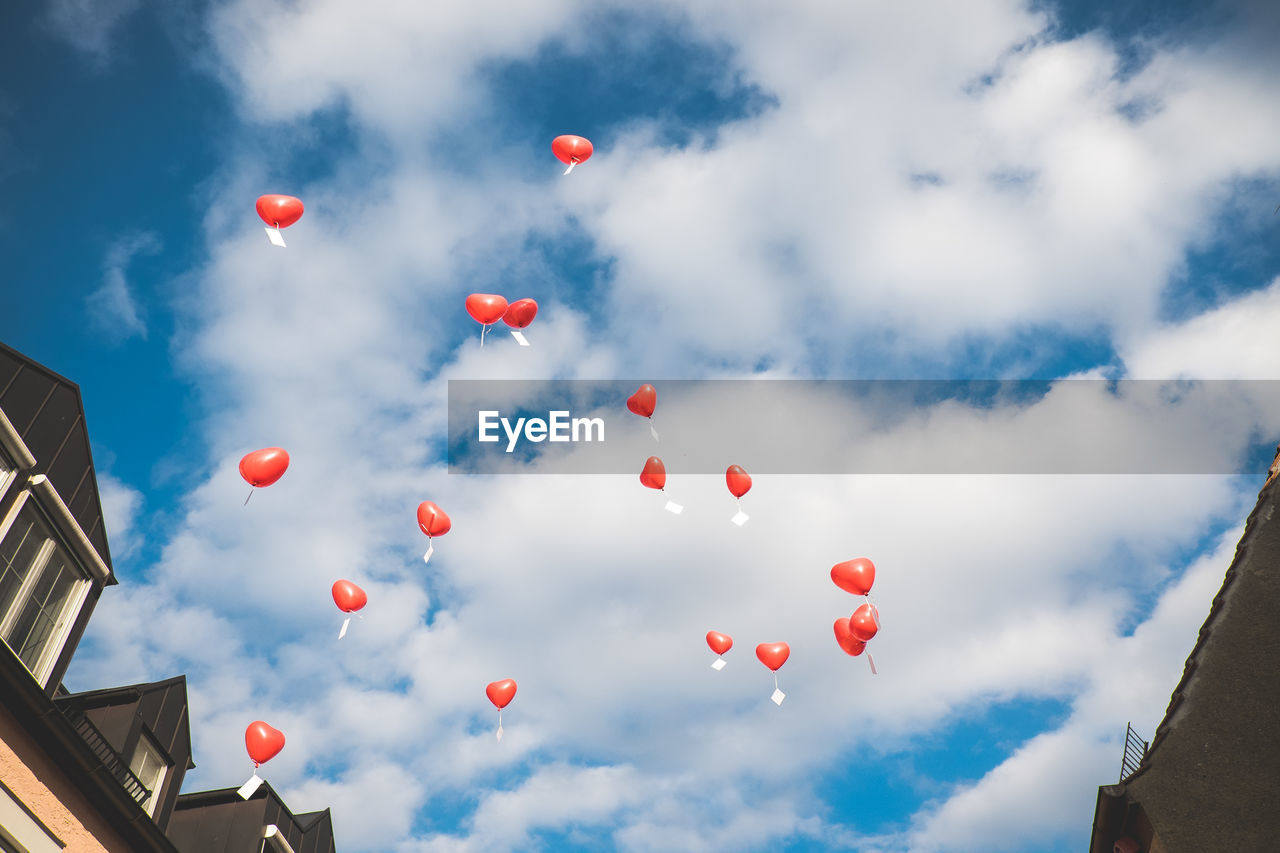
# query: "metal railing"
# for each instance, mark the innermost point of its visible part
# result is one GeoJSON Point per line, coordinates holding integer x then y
{"type": "Point", "coordinates": [1135, 749]}
{"type": "Point", "coordinates": [109, 757]}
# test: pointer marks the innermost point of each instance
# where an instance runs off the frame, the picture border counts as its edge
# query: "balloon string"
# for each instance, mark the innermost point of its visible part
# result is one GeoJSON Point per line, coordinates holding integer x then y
{"type": "Point", "coordinates": [483, 328]}
{"type": "Point", "coordinates": [246, 500]}
{"type": "Point", "coordinates": [775, 681]}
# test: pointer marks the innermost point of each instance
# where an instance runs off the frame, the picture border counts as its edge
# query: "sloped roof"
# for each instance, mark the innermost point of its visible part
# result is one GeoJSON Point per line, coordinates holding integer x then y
{"type": "Point", "coordinates": [221, 822]}
{"type": "Point", "coordinates": [47, 412]}
{"type": "Point", "coordinates": [162, 705]}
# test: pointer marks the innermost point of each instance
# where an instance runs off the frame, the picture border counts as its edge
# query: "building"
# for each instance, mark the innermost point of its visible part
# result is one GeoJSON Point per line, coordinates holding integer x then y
{"type": "Point", "coordinates": [1210, 778]}
{"type": "Point", "coordinates": [221, 822]}
{"type": "Point", "coordinates": [100, 770]}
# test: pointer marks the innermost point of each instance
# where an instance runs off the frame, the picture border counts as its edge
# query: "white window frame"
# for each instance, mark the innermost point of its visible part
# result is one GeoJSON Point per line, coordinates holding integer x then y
{"type": "Point", "coordinates": [147, 743]}
{"type": "Point", "coordinates": [14, 455]}
{"type": "Point", "coordinates": [8, 473]}
{"type": "Point", "coordinates": [20, 832]}
{"type": "Point", "coordinates": [71, 610]}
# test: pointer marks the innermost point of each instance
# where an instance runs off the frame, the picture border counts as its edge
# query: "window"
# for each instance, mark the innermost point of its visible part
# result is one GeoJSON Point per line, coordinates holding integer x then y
{"type": "Point", "coordinates": [149, 766]}
{"type": "Point", "coordinates": [41, 590]}
{"type": "Point", "coordinates": [21, 831]}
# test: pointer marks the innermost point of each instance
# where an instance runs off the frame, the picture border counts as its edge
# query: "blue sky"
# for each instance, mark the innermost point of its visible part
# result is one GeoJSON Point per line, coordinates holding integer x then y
{"type": "Point", "coordinates": [837, 191]}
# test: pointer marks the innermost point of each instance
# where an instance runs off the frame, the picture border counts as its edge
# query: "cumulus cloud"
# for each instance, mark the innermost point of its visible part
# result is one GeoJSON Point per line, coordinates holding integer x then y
{"type": "Point", "coordinates": [1227, 342]}
{"type": "Point", "coordinates": [926, 175]}
{"type": "Point", "coordinates": [120, 506]}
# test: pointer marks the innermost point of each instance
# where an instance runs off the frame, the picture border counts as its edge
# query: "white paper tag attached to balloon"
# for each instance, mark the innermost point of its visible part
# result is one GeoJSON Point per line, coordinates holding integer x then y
{"type": "Point", "coordinates": [674, 507]}
{"type": "Point", "coordinates": [499, 735]}
{"type": "Point", "coordinates": [520, 338]}
{"type": "Point", "coordinates": [778, 696]}
{"type": "Point", "coordinates": [345, 623]}
{"type": "Point", "coordinates": [431, 549]}
{"type": "Point", "coordinates": [653, 432]}
{"type": "Point", "coordinates": [872, 661]}
{"type": "Point", "coordinates": [740, 518]}
{"type": "Point", "coordinates": [718, 664]}
{"type": "Point", "coordinates": [247, 789]}
{"type": "Point", "coordinates": [276, 238]}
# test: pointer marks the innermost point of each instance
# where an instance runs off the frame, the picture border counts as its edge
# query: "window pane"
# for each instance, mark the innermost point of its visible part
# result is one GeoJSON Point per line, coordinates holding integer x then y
{"type": "Point", "coordinates": [37, 583]}
{"type": "Point", "coordinates": [148, 766]}
{"type": "Point", "coordinates": [40, 615]}
{"type": "Point", "coordinates": [17, 552]}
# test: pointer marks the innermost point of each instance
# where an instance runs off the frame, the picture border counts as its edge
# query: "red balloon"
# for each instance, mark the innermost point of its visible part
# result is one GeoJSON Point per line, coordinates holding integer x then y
{"type": "Point", "coordinates": [520, 313]}
{"type": "Point", "coordinates": [654, 475]}
{"type": "Point", "coordinates": [264, 467]}
{"type": "Point", "coordinates": [855, 576]}
{"type": "Point", "coordinates": [501, 692]}
{"type": "Point", "coordinates": [739, 481]}
{"type": "Point", "coordinates": [486, 308]}
{"type": "Point", "coordinates": [348, 596]}
{"type": "Point", "coordinates": [844, 636]}
{"type": "Point", "coordinates": [571, 149]}
{"type": "Point", "coordinates": [773, 655]}
{"type": "Point", "coordinates": [643, 401]}
{"type": "Point", "coordinates": [719, 643]}
{"type": "Point", "coordinates": [432, 519]}
{"type": "Point", "coordinates": [263, 742]}
{"type": "Point", "coordinates": [865, 622]}
{"type": "Point", "coordinates": [280, 211]}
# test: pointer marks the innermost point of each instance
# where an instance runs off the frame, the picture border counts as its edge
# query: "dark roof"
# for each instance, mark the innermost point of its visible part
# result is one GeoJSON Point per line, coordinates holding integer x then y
{"type": "Point", "coordinates": [1211, 778]}
{"type": "Point", "coordinates": [92, 769]}
{"type": "Point", "coordinates": [220, 822]}
{"type": "Point", "coordinates": [47, 412]}
{"type": "Point", "coordinates": [162, 705]}
{"type": "Point", "coordinates": [120, 714]}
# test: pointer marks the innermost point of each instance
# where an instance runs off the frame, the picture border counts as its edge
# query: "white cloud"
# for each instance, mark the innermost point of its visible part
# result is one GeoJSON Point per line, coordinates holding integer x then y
{"type": "Point", "coordinates": [799, 236]}
{"type": "Point", "coordinates": [120, 505]}
{"type": "Point", "coordinates": [1232, 341]}
{"type": "Point", "coordinates": [112, 307]}
{"type": "Point", "coordinates": [1048, 788]}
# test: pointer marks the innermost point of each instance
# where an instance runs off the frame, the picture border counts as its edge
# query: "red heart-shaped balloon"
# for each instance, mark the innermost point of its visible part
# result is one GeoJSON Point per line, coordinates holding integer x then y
{"type": "Point", "coordinates": [263, 467]}
{"type": "Point", "coordinates": [520, 313]}
{"type": "Point", "coordinates": [844, 637]}
{"type": "Point", "coordinates": [855, 576]}
{"type": "Point", "coordinates": [279, 211]}
{"type": "Point", "coordinates": [263, 742]}
{"type": "Point", "coordinates": [348, 596]}
{"type": "Point", "coordinates": [773, 655]}
{"type": "Point", "coordinates": [654, 474]}
{"type": "Point", "coordinates": [719, 643]}
{"type": "Point", "coordinates": [739, 481]}
{"type": "Point", "coordinates": [486, 308]}
{"type": "Point", "coordinates": [571, 149]}
{"type": "Point", "coordinates": [501, 692]}
{"type": "Point", "coordinates": [432, 519]}
{"type": "Point", "coordinates": [643, 401]}
{"type": "Point", "coordinates": [865, 622]}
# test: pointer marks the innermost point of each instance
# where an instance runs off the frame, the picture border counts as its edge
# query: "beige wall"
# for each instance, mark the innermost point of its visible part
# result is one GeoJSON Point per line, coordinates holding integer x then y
{"type": "Point", "coordinates": [43, 788]}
